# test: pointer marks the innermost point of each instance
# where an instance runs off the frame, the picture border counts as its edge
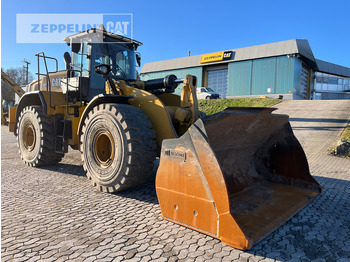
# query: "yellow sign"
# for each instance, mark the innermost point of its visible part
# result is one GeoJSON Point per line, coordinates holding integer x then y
{"type": "Point", "coordinates": [213, 57]}
{"type": "Point", "coordinates": [218, 56]}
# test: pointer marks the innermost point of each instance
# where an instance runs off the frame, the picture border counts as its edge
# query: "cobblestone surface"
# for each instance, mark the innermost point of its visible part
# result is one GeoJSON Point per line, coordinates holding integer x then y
{"type": "Point", "coordinates": [54, 214]}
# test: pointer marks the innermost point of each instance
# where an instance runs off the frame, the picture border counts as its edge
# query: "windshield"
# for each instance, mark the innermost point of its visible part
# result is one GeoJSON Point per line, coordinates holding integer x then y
{"type": "Point", "coordinates": [119, 57]}
{"type": "Point", "coordinates": [210, 90]}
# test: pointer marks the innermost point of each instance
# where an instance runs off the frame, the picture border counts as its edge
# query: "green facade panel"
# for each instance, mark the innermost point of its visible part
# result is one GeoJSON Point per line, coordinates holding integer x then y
{"type": "Point", "coordinates": [239, 78]}
{"type": "Point", "coordinates": [255, 77]}
{"type": "Point", "coordinates": [180, 73]}
{"type": "Point", "coordinates": [284, 74]}
{"type": "Point", "coordinates": [251, 77]}
{"type": "Point", "coordinates": [263, 76]}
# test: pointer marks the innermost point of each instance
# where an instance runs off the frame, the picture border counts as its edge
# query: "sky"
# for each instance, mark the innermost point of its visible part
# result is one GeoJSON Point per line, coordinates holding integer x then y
{"type": "Point", "coordinates": [170, 29]}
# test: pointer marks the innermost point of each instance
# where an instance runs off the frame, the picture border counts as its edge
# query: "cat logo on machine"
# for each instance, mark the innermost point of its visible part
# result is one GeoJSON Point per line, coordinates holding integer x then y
{"type": "Point", "coordinates": [56, 82]}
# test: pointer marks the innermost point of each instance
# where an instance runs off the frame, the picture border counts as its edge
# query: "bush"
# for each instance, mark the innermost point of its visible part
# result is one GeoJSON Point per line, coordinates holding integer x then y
{"type": "Point", "coordinates": [216, 105]}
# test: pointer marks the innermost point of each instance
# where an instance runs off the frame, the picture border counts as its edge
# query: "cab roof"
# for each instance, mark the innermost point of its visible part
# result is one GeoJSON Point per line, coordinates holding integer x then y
{"type": "Point", "coordinates": [101, 30]}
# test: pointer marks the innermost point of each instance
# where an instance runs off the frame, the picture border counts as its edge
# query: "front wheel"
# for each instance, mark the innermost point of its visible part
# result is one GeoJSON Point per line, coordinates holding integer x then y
{"type": "Point", "coordinates": [118, 147]}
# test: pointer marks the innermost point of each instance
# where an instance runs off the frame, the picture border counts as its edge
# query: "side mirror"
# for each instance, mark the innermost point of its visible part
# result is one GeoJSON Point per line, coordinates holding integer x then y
{"type": "Point", "coordinates": [103, 69]}
{"type": "Point", "coordinates": [138, 59]}
{"type": "Point", "coordinates": [76, 47]}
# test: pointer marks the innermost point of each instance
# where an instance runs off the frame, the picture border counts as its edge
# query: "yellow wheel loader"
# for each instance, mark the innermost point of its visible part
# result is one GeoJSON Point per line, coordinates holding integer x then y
{"type": "Point", "coordinates": [16, 88]}
{"type": "Point", "coordinates": [236, 175]}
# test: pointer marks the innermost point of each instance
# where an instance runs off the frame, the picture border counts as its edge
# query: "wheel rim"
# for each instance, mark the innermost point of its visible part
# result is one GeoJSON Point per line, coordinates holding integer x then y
{"type": "Point", "coordinates": [104, 149]}
{"type": "Point", "coordinates": [29, 137]}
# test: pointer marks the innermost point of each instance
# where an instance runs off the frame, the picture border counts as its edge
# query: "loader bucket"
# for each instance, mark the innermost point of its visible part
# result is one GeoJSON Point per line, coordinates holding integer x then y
{"type": "Point", "coordinates": [237, 175]}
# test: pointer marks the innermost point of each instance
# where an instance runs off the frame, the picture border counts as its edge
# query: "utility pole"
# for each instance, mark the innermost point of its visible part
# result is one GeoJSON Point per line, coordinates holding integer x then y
{"type": "Point", "coordinates": [26, 66]}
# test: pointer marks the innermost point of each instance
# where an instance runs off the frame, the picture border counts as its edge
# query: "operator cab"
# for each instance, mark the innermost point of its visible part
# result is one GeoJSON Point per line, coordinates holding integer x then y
{"type": "Point", "coordinates": [95, 47]}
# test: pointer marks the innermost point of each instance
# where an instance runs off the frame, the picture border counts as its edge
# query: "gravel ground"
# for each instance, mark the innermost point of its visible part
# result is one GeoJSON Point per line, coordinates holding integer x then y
{"type": "Point", "coordinates": [54, 214]}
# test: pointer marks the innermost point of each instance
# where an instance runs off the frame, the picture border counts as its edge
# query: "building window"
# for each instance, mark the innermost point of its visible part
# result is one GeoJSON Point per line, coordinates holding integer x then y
{"type": "Point", "coordinates": [331, 84]}
{"type": "Point", "coordinates": [332, 81]}
{"type": "Point", "coordinates": [318, 96]}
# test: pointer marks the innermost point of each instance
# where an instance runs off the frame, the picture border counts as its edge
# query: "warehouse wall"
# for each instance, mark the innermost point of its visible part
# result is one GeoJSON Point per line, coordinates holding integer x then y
{"type": "Point", "coordinates": [254, 77]}
{"type": "Point", "coordinates": [180, 73]}
{"type": "Point", "coordinates": [239, 78]}
{"type": "Point", "coordinates": [263, 76]}
{"type": "Point", "coordinates": [285, 74]}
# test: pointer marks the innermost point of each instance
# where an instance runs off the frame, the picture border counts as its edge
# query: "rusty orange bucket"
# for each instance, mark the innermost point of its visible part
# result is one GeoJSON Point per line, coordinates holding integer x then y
{"type": "Point", "coordinates": [237, 176]}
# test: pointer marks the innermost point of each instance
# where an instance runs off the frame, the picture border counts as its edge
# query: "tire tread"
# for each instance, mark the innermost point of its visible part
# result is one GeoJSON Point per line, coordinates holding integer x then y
{"type": "Point", "coordinates": [140, 145]}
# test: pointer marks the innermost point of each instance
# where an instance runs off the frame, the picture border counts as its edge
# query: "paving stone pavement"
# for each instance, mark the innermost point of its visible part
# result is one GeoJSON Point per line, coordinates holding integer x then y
{"type": "Point", "coordinates": [54, 214]}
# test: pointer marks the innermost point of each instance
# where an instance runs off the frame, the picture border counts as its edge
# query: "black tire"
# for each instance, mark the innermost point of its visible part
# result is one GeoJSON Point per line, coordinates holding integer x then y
{"type": "Point", "coordinates": [36, 138]}
{"type": "Point", "coordinates": [118, 147]}
{"type": "Point", "coordinates": [207, 97]}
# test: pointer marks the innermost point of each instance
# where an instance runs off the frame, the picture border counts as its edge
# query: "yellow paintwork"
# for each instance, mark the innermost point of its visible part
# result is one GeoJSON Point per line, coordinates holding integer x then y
{"type": "Point", "coordinates": [162, 111]}
{"type": "Point", "coordinates": [189, 101]}
{"type": "Point", "coordinates": [55, 79]}
{"type": "Point", "coordinates": [153, 107]}
{"type": "Point", "coordinates": [74, 141]}
{"type": "Point", "coordinates": [184, 109]}
{"type": "Point", "coordinates": [58, 106]}
{"type": "Point", "coordinates": [213, 57]}
{"type": "Point", "coordinates": [57, 99]}
{"type": "Point", "coordinates": [12, 118]}
{"type": "Point", "coordinates": [170, 99]}
{"type": "Point", "coordinates": [181, 114]}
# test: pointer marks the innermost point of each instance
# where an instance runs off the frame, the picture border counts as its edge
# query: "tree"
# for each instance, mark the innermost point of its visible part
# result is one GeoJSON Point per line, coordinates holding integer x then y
{"type": "Point", "coordinates": [18, 75]}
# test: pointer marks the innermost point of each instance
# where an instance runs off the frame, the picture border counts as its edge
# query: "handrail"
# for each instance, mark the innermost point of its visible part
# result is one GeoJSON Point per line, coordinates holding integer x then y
{"type": "Point", "coordinates": [48, 82]}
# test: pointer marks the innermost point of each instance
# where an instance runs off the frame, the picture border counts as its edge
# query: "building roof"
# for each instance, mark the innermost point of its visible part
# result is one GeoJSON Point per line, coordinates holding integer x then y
{"type": "Point", "coordinates": [289, 47]}
{"type": "Point", "coordinates": [330, 68]}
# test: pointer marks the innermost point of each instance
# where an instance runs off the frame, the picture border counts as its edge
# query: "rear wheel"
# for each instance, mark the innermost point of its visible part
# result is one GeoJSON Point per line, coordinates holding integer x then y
{"type": "Point", "coordinates": [36, 138]}
{"type": "Point", "coordinates": [118, 147]}
{"type": "Point", "coordinates": [208, 97]}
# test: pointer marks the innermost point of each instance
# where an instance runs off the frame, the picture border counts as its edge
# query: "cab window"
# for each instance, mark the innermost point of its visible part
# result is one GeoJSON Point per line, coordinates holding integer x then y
{"type": "Point", "coordinates": [80, 60]}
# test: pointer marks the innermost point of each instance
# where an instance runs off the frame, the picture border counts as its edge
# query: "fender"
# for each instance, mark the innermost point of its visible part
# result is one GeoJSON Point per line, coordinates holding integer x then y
{"type": "Point", "coordinates": [30, 99]}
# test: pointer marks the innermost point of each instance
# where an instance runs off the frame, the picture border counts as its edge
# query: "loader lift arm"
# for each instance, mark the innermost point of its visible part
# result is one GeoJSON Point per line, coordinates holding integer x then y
{"type": "Point", "coordinates": [16, 88]}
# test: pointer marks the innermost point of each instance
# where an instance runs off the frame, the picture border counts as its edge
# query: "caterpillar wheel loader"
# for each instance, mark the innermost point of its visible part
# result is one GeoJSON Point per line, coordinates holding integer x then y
{"type": "Point", "coordinates": [16, 89]}
{"type": "Point", "coordinates": [236, 175]}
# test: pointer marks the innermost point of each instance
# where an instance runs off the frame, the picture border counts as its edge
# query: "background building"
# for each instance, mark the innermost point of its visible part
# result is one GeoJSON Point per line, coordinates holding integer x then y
{"type": "Point", "coordinates": [286, 68]}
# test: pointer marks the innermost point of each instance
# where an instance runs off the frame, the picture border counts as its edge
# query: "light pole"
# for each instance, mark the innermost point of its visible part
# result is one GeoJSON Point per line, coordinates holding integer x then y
{"type": "Point", "coordinates": [26, 66]}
